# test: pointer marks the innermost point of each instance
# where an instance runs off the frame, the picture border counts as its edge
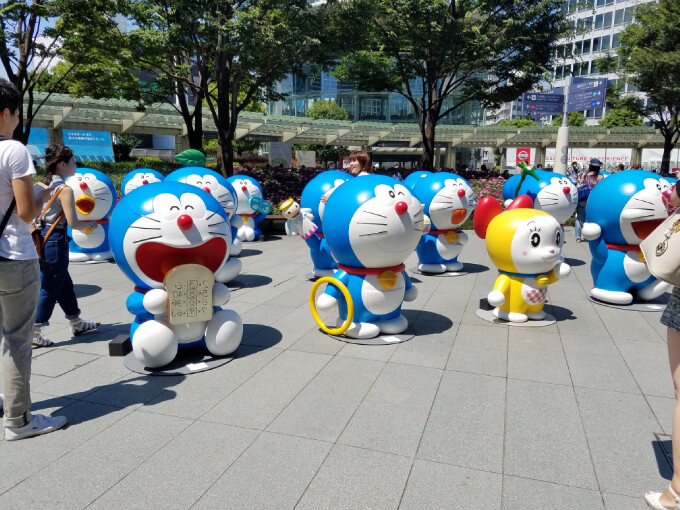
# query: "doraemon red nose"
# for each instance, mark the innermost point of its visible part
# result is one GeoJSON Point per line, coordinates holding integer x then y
{"type": "Point", "coordinates": [566, 190]}
{"type": "Point", "coordinates": [401, 208]}
{"type": "Point", "coordinates": [145, 181]}
{"type": "Point", "coordinates": [185, 222]}
{"type": "Point", "coordinates": [461, 193]}
{"type": "Point", "coordinates": [206, 189]}
{"type": "Point", "coordinates": [83, 186]}
{"type": "Point", "coordinates": [244, 188]}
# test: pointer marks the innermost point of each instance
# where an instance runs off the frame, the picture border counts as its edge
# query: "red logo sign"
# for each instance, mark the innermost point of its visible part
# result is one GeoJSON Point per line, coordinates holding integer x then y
{"type": "Point", "coordinates": [522, 155]}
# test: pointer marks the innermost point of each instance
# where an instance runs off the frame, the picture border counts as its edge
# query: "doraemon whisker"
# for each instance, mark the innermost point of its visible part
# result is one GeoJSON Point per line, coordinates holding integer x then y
{"type": "Point", "coordinates": [645, 201]}
{"type": "Point", "coordinates": [213, 214]}
{"type": "Point", "coordinates": [146, 216]}
{"type": "Point", "coordinates": [550, 193]}
{"type": "Point", "coordinates": [373, 233]}
{"type": "Point", "coordinates": [445, 196]}
{"type": "Point", "coordinates": [218, 223]}
{"type": "Point", "coordinates": [367, 223]}
{"type": "Point", "coordinates": [222, 195]}
{"type": "Point", "coordinates": [145, 239]}
{"type": "Point", "coordinates": [217, 233]}
{"type": "Point", "coordinates": [376, 214]}
{"type": "Point", "coordinates": [144, 228]}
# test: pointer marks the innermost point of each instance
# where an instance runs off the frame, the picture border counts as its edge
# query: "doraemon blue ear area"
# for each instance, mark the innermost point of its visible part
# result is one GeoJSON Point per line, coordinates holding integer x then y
{"type": "Point", "coordinates": [487, 209]}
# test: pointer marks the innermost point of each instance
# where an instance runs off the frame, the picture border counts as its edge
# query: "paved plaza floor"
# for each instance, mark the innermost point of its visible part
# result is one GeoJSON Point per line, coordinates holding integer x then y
{"type": "Point", "coordinates": [468, 414]}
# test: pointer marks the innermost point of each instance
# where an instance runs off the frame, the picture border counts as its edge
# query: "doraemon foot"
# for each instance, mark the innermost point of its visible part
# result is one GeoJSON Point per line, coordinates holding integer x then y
{"type": "Point", "coordinates": [431, 268]}
{"type": "Point", "coordinates": [154, 344]}
{"type": "Point", "coordinates": [236, 247]}
{"type": "Point", "coordinates": [360, 329]}
{"type": "Point", "coordinates": [454, 266]}
{"type": "Point", "coordinates": [611, 296]}
{"type": "Point", "coordinates": [536, 316]}
{"type": "Point", "coordinates": [78, 257]}
{"type": "Point", "coordinates": [224, 332]}
{"type": "Point", "coordinates": [246, 234]}
{"type": "Point", "coordinates": [229, 271]}
{"type": "Point", "coordinates": [319, 273]}
{"type": "Point", "coordinates": [510, 316]}
{"type": "Point", "coordinates": [107, 255]}
{"type": "Point", "coordinates": [654, 290]}
{"type": "Point", "coordinates": [393, 326]}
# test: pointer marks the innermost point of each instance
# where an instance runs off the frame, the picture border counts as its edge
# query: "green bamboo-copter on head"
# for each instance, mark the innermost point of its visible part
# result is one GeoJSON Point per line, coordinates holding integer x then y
{"type": "Point", "coordinates": [526, 170]}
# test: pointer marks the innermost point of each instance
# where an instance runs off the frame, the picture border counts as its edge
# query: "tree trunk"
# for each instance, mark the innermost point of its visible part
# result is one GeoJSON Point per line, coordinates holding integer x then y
{"type": "Point", "coordinates": [428, 162]}
{"type": "Point", "coordinates": [667, 149]}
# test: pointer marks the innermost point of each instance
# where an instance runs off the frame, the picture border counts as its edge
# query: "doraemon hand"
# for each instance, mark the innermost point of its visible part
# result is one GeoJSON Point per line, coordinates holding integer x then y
{"type": "Point", "coordinates": [247, 188]}
{"type": "Point", "coordinates": [554, 193]}
{"type": "Point", "coordinates": [372, 224]}
{"type": "Point", "coordinates": [220, 189]}
{"type": "Point", "coordinates": [526, 247]}
{"type": "Point", "coordinates": [155, 229]}
{"type": "Point", "coordinates": [313, 203]}
{"type": "Point", "coordinates": [622, 210]}
{"type": "Point", "coordinates": [95, 197]}
{"type": "Point", "coordinates": [448, 200]}
{"type": "Point", "coordinates": [137, 178]}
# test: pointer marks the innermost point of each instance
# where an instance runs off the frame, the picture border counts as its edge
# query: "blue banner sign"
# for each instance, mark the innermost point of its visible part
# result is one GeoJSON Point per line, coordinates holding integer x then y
{"type": "Point", "coordinates": [544, 108]}
{"type": "Point", "coordinates": [585, 105]}
{"type": "Point", "coordinates": [589, 84]}
{"type": "Point", "coordinates": [588, 96]}
{"type": "Point", "coordinates": [540, 97]}
{"type": "Point", "coordinates": [89, 145]}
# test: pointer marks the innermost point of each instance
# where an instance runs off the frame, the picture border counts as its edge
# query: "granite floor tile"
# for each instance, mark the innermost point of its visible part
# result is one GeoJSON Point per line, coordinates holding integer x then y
{"type": "Point", "coordinates": [392, 416]}
{"type": "Point", "coordinates": [134, 390]}
{"type": "Point", "coordinates": [56, 362]}
{"type": "Point", "coordinates": [536, 356]}
{"type": "Point", "coordinates": [619, 502]}
{"type": "Point", "coordinates": [357, 478]}
{"type": "Point", "coordinates": [480, 349]}
{"type": "Point", "coordinates": [85, 379]}
{"type": "Point", "coordinates": [522, 493]}
{"type": "Point", "coordinates": [648, 361]}
{"type": "Point", "coordinates": [428, 350]}
{"type": "Point", "coordinates": [319, 342]}
{"type": "Point", "coordinates": [627, 324]}
{"type": "Point", "coordinates": [371, 352]}
{"type": "Point", "coordinates": [663, 408]}
{"type": "Point", "coordinates": [466, 424]}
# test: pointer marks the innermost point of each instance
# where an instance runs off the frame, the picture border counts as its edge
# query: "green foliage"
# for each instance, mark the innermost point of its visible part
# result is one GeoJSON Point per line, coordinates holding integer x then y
{"type": "Point", "coordinates": [327, 110]}
{"type": "Point", "coordinates": [621, 117]}
{"type": "Point", "coordinates": [648, 58]}
{"type": "Point", "coordinates": [520, 123]}
{"type": "Point", "coordinates": [442, 54]}
{"type": "Point", "coordinates": [574, 119]}
{"type": "Point", "coordinates": [191, 157]}
{"type": "Point", "coordinates": [124, 145]}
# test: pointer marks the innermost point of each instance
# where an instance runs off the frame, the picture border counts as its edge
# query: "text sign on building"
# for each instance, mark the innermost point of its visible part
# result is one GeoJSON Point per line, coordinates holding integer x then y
{"type": "Point", "coordinates": [535, 97]}
{"type": "Point", "coordinates": [590, 84]}
{"type": "Point", "coordinates": [543, 108]}
{"type": "Point", "coordinates": [585, 105]}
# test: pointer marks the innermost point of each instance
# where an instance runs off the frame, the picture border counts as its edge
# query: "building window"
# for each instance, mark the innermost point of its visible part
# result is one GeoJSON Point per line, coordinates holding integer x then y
{"type": "Point", "coordinates": [586, 46]}
{"type": "Point", "coordinates": [596, 44]}
{"type": "Point", "coordinates": [593, 68]}
{"type": "Point", "coordinates": [604, 42]}
{"type": "Point", "coordinates": [618, 17]}
{"type": "Point", "coordinates": [577, 47]}
{"type": "Point", "coordinates": [598, 21]}
{"type": "Point", "coordinates": [628, 15]}
{"type": "Point", "coordinates": [616, 42]}
{"type": "Point", "coordinates": [600, 3]}
{"type": "Point", "coordinates": [607, 20]}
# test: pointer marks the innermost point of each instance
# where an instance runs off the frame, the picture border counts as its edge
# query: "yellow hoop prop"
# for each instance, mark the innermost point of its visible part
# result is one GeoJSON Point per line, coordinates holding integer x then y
{"type": "Point", "coordinates": [348, 298]}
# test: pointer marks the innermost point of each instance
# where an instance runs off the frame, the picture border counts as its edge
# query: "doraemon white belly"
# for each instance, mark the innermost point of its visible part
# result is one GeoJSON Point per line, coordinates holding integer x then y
{"type": "Point", "coordinates": [532, 294]}
{"type": "Point", "coordinates": [91, 240]}
{"type": "Point", "coordinates": [635, 269]}
{"type": "Point", "coordinates": [449, 249]}
{"type": "Point", "coordinates": [382, 294]}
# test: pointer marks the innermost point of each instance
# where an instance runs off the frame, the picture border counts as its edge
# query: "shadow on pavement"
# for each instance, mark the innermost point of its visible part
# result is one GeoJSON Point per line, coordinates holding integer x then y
{"type": "Point", "coordinates": [83, 289]}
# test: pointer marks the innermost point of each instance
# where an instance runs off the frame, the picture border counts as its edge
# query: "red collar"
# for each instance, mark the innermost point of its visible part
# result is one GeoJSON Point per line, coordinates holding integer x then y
{"type": "Point", "coordinates": [319, 234]}
{"type": "Point", "coordinates": [139, 289]}
{"type": "Point", "coordinates": [371, 270]}
{"type": "Point", "coordinates": [248, 215]}
{"type": "Point", "coordinates": [444, 232]}
{"type": "Point", "coordinates": [623, 247]}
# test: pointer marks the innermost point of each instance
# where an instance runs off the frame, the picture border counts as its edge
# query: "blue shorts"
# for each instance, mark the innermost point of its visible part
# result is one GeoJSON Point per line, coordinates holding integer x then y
{"type": "Point", "coordinates": [671, 315]}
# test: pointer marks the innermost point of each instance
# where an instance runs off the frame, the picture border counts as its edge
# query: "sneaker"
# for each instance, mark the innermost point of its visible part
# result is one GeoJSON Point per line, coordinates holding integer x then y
{"type": "Point", "coordinates": [38, 425]}
{"type": "Point", "coordinates": [579, 240]}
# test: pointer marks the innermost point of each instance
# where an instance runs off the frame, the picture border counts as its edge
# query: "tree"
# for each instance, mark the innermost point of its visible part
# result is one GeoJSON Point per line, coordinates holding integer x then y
{"type": "Point", "coordinates": [232, 51]}
{"type": "Point", "coordinates": [621, 117]}
{"type": "Point", "coordinates": [520, 123]}
{"type": "Point", "coordinates": [648, 58]}
{"type": "Point", "coordinates": [442, 54]}
{"type": "Point", "coordinates": [327, 110]}
{"type": "Point", "coordinates": [574, 119]}
{"type": "Point", "coordinates": [36, 34]}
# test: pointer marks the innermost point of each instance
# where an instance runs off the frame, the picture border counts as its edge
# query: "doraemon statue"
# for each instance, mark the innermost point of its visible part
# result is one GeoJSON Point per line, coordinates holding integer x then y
{"type": "Point", "coordinates": [313, 202]}
{"type": "Point", "coordinates": [137, 178]}
{"type": "Point", "coordinates": [249, 202]}
{"type": "Point", "coordinates": [553, 193]}
{"type": "Point", "coordinates": [413, 178]}
{"type": "Point", "coordinates": [220, 189]}
{"type": "Point", "coordinates": [95, 197]}
{"type": "Point", "coordinates": [157, 229]}
{"type": "Point", "coordinates": [622, 210]}
{"type": "Point", "coordinates": [526, 247]}
{"type": "Point", "coordinates": [448, 200]}
{"type": "Point", "coordinates": [372, 224]}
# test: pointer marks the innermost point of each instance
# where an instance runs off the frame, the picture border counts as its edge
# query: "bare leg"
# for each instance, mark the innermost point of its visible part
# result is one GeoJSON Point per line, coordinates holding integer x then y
{"type": "Point", "coordinates": [674, 358]}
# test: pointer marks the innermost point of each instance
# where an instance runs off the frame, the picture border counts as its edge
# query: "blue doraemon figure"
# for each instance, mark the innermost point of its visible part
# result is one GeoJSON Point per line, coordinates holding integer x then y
{"type": "Point", "coordinates": [313, 203]}
{"type": "Point", "coordinates": [449, 200]}
{"type": "Point", "coordinates": [95, 197]}
{"type": "Point", "coordinates": [622, 210]}
{"type": "Point", "coordinates": [553, 193]}
{"type": "Point", "coordinates": [216, 185]}
{"type": "Point", "coordinates": [137, 178]}
{"type": "Point", "coordinates": [413, 178]}
{"type": "Point", "coordinates": [250, 206]}
{"type": "Point", "coordinates": [155, 229]}
{"type": "Point", "coordinates": [372, 224]}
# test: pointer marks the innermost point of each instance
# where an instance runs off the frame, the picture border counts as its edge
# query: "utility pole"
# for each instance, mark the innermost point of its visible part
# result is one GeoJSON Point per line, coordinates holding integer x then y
{"type": "Point", "coordinates": [562, 144]}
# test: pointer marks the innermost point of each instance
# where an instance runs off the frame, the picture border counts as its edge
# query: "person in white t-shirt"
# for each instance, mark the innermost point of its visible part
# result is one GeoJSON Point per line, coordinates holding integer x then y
{"type": "Point", "coordinates": [19, 275]}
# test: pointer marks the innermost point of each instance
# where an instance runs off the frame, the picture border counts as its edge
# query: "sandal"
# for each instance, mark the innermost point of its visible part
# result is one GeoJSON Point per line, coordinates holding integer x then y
{"type": "Point", "coordinates": [652, 499]}
{"type": "Point", "coordinates": [39, 340]}
{"type": "Point", "coordinates": [79, 326]}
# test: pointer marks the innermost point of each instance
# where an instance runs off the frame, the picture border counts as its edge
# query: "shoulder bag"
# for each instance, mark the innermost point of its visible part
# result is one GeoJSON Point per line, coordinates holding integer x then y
{"type": "Point", "coordinates": [661, 249]}
{"type": "Point", "coordinates": [36, 231]}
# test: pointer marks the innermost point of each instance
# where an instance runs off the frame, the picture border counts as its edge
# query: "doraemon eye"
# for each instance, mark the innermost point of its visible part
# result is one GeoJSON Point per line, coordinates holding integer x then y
{"type": "Point", "coordinates": [192, 205]}
{"type": "Point", "coordinates": [535, 239]}
{"type": "Point", "coordinates": [401, 191]}
{"type": "Point", "coordinates": [558, 238]}
{"type": "Point", "coordinates": [89, 177]}
{"type": "Point", "coordinates": [665, 185]}
{"type": "Point", "coordinates": [210, 182]}
{"type": "Point", "coordinates": [652, 185]}
{"type": "Point", "coordinates": [385, 192]}
{"type": "Point", "coordinates": [167, 206]}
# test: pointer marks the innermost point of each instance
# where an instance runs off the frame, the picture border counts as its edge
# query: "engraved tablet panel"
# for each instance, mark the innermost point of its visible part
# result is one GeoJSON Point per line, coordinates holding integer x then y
{"type": "Point", "coordinates": [189, 288]}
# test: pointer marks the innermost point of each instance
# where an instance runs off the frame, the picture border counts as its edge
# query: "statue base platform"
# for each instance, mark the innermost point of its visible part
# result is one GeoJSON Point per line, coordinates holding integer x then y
{"type": "Point", "coordinates": [415, 270]}
{"type": "Point", "coordinates": [188, 361]}
{"type": "Point", "coordinates": [488, 316]}
{"type": "Point", "coordinates": [655, 305]}
{"type": "Point", "coordinates": [378, 340]}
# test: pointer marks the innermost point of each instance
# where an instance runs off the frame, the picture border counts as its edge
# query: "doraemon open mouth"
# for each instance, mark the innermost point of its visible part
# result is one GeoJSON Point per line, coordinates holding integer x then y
{"type": "Point", "coordinates": [84, 204]}
{"type": "Point", "coordinates": [458, 216]}
{"type": "Point", "coordinates": [643, 228]}
{"type": "Point", "coordinates": [156, 259]}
